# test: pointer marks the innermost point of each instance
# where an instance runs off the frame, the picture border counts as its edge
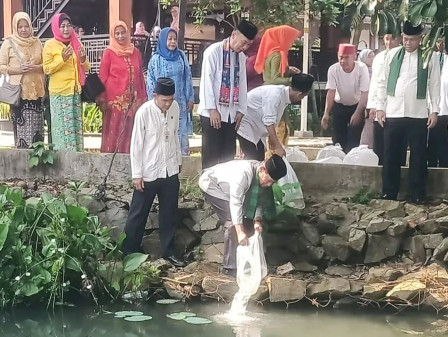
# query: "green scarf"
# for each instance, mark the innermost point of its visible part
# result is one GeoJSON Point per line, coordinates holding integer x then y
{"type": "Point", "coordinates": [256, 195]}
{"type": "Point", "coordinates": [395, 66]}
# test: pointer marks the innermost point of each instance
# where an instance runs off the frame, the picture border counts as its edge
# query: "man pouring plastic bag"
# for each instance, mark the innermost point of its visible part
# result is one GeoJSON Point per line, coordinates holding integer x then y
{"type": "Point", "coordinates": [237, 190]}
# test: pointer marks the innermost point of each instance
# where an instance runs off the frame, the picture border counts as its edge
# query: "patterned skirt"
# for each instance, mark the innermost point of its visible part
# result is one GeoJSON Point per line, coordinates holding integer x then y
{"type": "Point", "coordinates": [66, 122]}
{"type": "Point", "coordinates": [28, 122]}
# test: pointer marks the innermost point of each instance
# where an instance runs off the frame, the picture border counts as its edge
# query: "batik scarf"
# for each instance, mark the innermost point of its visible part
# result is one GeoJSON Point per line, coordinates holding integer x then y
{"type": "Point", "coordinates": [224, 93]}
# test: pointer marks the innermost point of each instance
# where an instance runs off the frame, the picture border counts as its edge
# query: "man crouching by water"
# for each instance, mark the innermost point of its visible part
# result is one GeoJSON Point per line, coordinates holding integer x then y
{"type": "Point", "coordinates": [241, 189]}
{"type": "Point", "coordinates": [155, 162]}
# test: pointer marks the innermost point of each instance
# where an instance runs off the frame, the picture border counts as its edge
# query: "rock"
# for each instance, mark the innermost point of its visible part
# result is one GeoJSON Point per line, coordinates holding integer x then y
{"type": "Point", "coordinates": [191, 225]}
{"type": "Point", "coordinates": [380, 247]}
{"type": "Point", "coordinates": [417, 248]}
{"type": "Point", "coordinates": [407, 290]}
{"type": "Point", "coordinates": [190, 205]}
{"type": "Point", "coordinates": [162, 264]}
{"type": "Point", "coordinates": [439, 213]}
{"type": "Point", "coordinates": [336, 247]}
{"type": "Point", "coordinates": [278, 256]}
{"type": "Point", "coordinates": [93, 205]}
{"type": "Point", "coordinates": [392, 208]}
{"type": "Point", "coordinates": [372, 215]}
{"type": "Point", "coordinates": [209, 223]}
{"type": "Point", "coordinates": [376, 291]}
{"type": "Point", "coordinates": [398, 227]}
{"type": "Point", "coordinates": [356, 287]}
{"type": "Point", "coordinates": [285, 269]}
{"type": "Point", "coordinates": [431, 273]}
{"type": "Point", "coordinates": [190, 278]}
{"type": "Point", "coordinates": [415, 219]}
{"type": "Point", "coordinates": [220, 287]}
{"type": "Point", "coordinates": [443, 224]}
{"type": "Point", "coordinates": [151, 245]}
{"type": "Point", "coordinates": [198, 215]}
{"type": "Point", "coordinates": [22, 184]}
{"type": "Point", "coordinates": [335, 211]}
{"type": "Point", "coordinates": [285, 289]}
{"type": "Point", "coordinates": [378, 225]}
{"type": "Point", "coordinates": [214, 253]}
{"type": "Point", "coordinates": [311, 233]}
{"type": "Point", "coordinates": [185, 239]}
{"type": "Point", "coordinates": [383, 274]}
{"type": "Point", "coordinates": [441, 249]}
{"type": "Point", "coordinates": [153, 221]}
{"type": "Point", "coordinates": [428, 226]}
{"type": "Point", "coordinates": [214, 236]}
{"type": "Point", "coordinates": [413, 209]}
{"type": "Point", "coordinates": [357, 239]}
{"type": "Point", "coordinates": [431, 241]}
{"type": "Point", "coordinates": [344, 232]}
{"type": "Point", "coordinates": [339, 271]}
{"type": "Point", "coordinates": [325, 225]}
{"type": "Point", "coordinates": [304, 267]}
{"type": "Point", "coordinates": [315, 253]}
{"type": "Point", "coordinates": [116, 219]}
{"type": "Point", "coordinates": [334, 287]}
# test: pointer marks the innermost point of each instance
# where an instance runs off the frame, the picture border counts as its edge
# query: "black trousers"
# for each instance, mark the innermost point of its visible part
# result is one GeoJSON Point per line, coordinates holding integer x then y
{"type": "Point", "coordinates": [398, 132]}
{"type": "Point", "coordinates": [438, 143]}
{"type": "Point", "coordinates": [167, 191]}
{"type": "Point", "coordinates": [345, 134]}
{"type": "Point", "coordinates": [378, 141]}
{"type": "Point", "coordinates": [218, 145]}
{"type": "Point", "coordinates": [250, 150]}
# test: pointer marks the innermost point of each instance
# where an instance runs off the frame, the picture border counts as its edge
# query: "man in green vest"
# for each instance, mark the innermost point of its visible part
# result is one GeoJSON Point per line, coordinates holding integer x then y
{"type": "Point", "coordinates": [407, 106]}
{"type": "Point", "coordinates": [241, 190]}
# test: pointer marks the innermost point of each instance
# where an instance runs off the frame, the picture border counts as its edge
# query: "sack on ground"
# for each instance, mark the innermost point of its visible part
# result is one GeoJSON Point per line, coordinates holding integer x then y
{"type": "Point", "coordinates": [291, 188]}
{"type": "Point", "coordinates": [362, 156]}
{"type": "Point", "coordinates": [295, 155]}
{"type": "Point", "coordinates": [331, 151]}
{"type": "Point", "coordinates": [328, 160]}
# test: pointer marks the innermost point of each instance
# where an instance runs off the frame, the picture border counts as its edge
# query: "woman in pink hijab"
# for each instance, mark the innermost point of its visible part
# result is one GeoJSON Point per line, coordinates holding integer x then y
{"type": "Point", "coordinates": [65, 62]}
{"type": "Point", "coordinates": [140, 29]}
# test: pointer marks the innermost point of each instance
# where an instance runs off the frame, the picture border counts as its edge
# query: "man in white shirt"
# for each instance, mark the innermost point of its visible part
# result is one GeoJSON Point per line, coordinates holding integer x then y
{"type": "Point", "coordinates": [241, 190]}
{"type": "Point", "coordinates": [407, 106]}
{"type": "Point", "coordinates": [155, 162]}
{"type": "Point", "coordinates": [347, 90]}
{"type": "Point", "coordinates": [390, 42]}
{"type": "Point", "coordinates": [265, 108]}
{"type": "Point", "coordinates": [223, 94]}
{"type": "Point", "coordinates": [438, 136]}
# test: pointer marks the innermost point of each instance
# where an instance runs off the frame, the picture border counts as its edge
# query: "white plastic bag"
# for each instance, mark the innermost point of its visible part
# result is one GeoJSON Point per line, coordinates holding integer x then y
{"type": "Point", "coordinates": [292, 192]}
{"type": "Point", "coordinates": [362, 156]}
{"type": "Point", "coordinates": [331, 151]}
{"type": "Point", "coordinates": [295, 155]}
{"type": "Point", "coordinates": [251, 269]}
{"type": "Point", "coordinates": [328, 160]}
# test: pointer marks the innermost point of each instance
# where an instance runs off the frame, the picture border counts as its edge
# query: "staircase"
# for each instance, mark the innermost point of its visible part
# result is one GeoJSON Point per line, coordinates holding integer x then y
{"type": "Point", "coordinates": [42, 11]}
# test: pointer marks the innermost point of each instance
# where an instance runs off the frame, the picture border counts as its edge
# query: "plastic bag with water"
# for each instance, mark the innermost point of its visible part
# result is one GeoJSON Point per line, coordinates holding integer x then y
{"type": "Point", "coordinates": [251, 269]}
{"type": "Point", "coordinates": [291, 188]}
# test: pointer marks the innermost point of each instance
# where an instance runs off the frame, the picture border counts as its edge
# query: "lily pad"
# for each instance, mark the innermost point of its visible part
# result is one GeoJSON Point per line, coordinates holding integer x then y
{"type": "Point", "coordinates": [178, 316]}
{"type": "Point", "coordinates": [128, 313]}
{"type": "Point", "coordinates": [140, 318]}
{"type": "Point", "coordinates": [197, 320]}
{"type": "Point", "coordinates": [187, 313]}
{"type": "Point", "coordinates": [167, 301]}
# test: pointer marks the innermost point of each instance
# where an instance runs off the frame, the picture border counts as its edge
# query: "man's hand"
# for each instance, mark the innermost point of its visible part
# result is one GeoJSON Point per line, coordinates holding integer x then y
{"type": "Point", "coordinates": [324, 121]}
{"type": "Point", "coordinates": [138, 184]}
{"type": "Point", "coordinates": [372, 113]}
{"type": "Point", "coordinates": [190, 106]}
{"type": "Point", "coordinates": [279, 150]}
{"type": "Point", "coordinates": [357, 119]}
{"type": "Point", "coordinates": [258, 226]}
{"type": "Point", "coordinates": [381, 116]}
{"type": "Point", "coordinates": [239, 116]}
{"type": "Point", "coordinates": [215, 119]}
{"type": "Point", "coordinates": [293, 71]}
{"type": "Point", "coordinates": [432, 120]}
{"type": "Point", "coordinates": [242, 238]}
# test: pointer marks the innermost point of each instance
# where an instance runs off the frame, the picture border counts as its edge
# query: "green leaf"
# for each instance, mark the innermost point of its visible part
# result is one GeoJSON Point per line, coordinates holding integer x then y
{"type": "Point", "coordinates": [29, 289]}
{"type": "Point", "coordinates": [167, 301]}
{"type": "Point", "coordinates": [177, 316]}
{"type": "Point", "coordinates": [73, 263]}
{"type": "Point", "coordinates": [138, 318]}
{"type": "Point", "coordinates": [197, 320]}
{"type": "Point", "coordinates": [132, 261]}
{"type": "Point", "coordinates": [429, 10]}
{"type": "Point", "coordinates": [31, 208]}
{"type": "Point", "coordinates": [75, 214]}
{"type": "Point", "coordinates": [128, 313]}
{"type": "Point", "coordinates": [34, 161]}
{"type": "Point", "coordinates": [4, 228]}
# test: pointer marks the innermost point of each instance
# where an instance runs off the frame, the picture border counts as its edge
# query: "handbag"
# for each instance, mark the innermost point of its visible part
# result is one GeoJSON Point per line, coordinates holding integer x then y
{"type": "Point", "coordinates": [10, 93]}
{"type": "Point", "coordinates": [92, 88]}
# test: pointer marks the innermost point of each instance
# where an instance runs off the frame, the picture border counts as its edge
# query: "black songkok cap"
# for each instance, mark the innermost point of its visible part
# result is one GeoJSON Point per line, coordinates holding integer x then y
{"type": "Point", "coordinates": [409, 29]}
{"type": "Point", "coordinates": [302, 82]}
{"type": "Point", "coordinates": [276, 167]}
{"type": "Point", "coordinates": [165, 86]}
{"type": "Point", "coordinates": [248, 29]}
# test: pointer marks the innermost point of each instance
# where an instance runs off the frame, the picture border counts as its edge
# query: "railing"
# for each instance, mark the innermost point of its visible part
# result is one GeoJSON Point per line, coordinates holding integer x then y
{"type": "Point", "coordinates": [36, 8]}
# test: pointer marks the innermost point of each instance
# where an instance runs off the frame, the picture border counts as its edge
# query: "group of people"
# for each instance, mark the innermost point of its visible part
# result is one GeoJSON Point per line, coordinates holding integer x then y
{"type": "Point", "coordinates": [390, 102]}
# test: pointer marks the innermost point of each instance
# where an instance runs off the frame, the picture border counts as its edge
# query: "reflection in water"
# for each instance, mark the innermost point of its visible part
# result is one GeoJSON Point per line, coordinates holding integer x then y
{"type": "Point", "coordinates": [82, 322]}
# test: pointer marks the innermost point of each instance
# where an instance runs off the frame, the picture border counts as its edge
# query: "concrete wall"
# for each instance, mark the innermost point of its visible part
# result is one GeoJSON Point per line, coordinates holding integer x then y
{"type": "Point", "coordinates": [321, 181]}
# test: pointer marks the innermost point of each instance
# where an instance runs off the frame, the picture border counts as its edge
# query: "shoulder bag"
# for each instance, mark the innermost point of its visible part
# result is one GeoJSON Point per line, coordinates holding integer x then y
{"type": "Point", "coordinates": [9, 93]}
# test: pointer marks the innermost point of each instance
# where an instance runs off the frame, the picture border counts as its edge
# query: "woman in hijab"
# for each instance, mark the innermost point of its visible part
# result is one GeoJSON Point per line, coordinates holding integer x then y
{"type": "Point", "coordinates": [272, 56]}
{"type": "Point", "coordinates": [170, 61]}
{"type": "Point", "coordinates": [140, 29]}
{"type": "Point", "coordinates": [122, 75]}
{"type": "Point", "coordinates": [27, 72]}
{"type": "Point", "coordinates": [366, 56]}
{"type": "Point", "coordinates": [254, 79]}
{"type": "Point", "coordinates": [65, 62]}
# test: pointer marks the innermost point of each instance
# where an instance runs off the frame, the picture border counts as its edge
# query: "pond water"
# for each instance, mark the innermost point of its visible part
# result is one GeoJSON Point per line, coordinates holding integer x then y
{"type": "Point", "coordinates": [260, 322]}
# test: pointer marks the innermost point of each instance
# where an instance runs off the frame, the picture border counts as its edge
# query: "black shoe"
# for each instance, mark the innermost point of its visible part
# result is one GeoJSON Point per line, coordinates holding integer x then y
{"type": "Point", "coordinates": [176, 262]}
{"type": "Point", "coordinates": [229, 272]}
{"type": "Point", "coordinates": [387, 196]}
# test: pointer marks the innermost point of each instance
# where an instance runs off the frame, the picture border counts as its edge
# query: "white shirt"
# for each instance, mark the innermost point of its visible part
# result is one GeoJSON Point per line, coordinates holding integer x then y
{"type": "Point", "coordinates": [210, 85]}
{"type": "Point", "coordinates": [230, 181]}
{"type": "Point", "coordinates": [265, 107]}
{"type": "Point", "coordinates": [377, 68]}
{"type": "Point", "coordinates": [348, 86]}
{"type": "Point", "coordinates": [405, 102]}
{"type": "Point", "coordinates": [155, 150]}
{"type": "Point", "coordinates": [444, 88]}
